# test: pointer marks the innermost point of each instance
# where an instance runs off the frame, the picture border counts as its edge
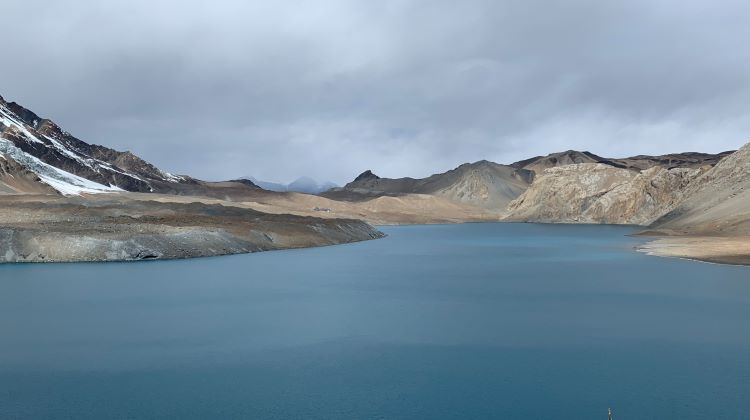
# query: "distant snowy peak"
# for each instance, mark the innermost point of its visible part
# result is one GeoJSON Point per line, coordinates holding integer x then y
{"type": "Point", "coordinates": [71, 166]}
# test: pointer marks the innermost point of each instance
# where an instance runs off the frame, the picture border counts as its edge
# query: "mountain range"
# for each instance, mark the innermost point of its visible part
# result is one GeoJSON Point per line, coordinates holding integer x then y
{"type": "Point", "coordinates": [565, 187]}
{"type": "Point", "coordinates": [47, 173]}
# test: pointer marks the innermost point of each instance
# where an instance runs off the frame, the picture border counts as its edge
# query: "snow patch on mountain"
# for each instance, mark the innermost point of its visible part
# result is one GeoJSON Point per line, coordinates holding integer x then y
{"type": "Point", "coordinates": [7, 119]}
{"type": "Point", "coordinates": [171, 177]}
{"type": "Point", "coordinates": [62, 181]}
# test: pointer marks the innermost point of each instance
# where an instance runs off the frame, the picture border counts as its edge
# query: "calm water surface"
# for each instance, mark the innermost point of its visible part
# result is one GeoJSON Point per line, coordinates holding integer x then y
{"type": "Point", "coordinates": [481, 321]}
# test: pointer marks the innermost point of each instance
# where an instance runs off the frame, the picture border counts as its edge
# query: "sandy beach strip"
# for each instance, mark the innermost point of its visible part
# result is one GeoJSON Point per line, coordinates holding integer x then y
{"type": "Point", "coordinates": [722, 250]}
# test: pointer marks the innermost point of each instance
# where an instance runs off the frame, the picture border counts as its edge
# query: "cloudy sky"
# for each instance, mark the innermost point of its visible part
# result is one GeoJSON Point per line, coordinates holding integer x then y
{"type": "Point", "coordinates": [329, 88]}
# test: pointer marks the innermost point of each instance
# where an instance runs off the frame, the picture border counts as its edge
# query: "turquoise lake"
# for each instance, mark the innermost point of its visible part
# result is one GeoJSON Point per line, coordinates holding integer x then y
{"type": "Point", "coordinates": [474, 321]}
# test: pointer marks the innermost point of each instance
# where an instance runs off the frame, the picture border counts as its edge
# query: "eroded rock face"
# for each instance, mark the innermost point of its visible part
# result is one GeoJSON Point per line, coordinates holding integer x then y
{"type": "Point", "coordinates": [599, 193]}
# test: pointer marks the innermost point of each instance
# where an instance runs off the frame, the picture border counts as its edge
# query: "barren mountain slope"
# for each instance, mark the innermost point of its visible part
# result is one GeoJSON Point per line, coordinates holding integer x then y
{"type": "Point", "coordinates": [717, 203]}
{"type": "Point", "coordinates": [712, 223]}
{"type": "Point", "coordinates": [482, 184]}
{"type": "Point", "coordinates": [599, 193]}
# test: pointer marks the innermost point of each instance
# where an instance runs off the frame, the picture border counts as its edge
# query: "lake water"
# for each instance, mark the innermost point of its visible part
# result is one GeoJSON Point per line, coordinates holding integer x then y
{"type": "Point", "coordinates": [476, 321]}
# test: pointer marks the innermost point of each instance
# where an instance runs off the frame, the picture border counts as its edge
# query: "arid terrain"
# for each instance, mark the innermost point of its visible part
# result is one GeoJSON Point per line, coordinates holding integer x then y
{"type": "Point", "coordinates": [62, 199]}
{"type": "Point", "coordinates": [712, 222]}
{"type": "Point", "coordinates": [116, 227]}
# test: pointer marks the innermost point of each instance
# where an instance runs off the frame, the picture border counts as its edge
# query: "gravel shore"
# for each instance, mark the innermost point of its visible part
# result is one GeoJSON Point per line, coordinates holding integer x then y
{"type": "Point", "coordinates": [714, 249]}
{"type": "Point", "coordinates": [118, 228]}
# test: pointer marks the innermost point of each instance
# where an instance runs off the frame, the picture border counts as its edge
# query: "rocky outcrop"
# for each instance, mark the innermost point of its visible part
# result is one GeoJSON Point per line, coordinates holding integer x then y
{"type": "Point", "coordinates": [600, 193]}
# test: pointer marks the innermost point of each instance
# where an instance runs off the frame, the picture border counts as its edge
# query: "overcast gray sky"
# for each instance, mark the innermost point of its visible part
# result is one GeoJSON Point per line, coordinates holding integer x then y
{"type": "Point", "coordinates": [329, 88]}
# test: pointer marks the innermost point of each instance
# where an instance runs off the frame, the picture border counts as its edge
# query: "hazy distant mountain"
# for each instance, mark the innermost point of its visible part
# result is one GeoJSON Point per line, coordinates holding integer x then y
{"type": "Point", "coordinates": [270, 186]}
{"type": "Point", "coordinates": [303, 184]}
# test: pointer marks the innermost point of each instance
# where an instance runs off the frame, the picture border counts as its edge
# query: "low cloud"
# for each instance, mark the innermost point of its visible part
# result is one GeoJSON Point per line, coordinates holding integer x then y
{"type": "Point", "coordinates": [407, 88]}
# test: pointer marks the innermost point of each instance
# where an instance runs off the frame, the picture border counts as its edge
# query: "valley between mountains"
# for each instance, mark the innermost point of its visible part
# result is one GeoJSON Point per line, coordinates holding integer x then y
{"type": "Point", "coordinates": [62, 199]}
